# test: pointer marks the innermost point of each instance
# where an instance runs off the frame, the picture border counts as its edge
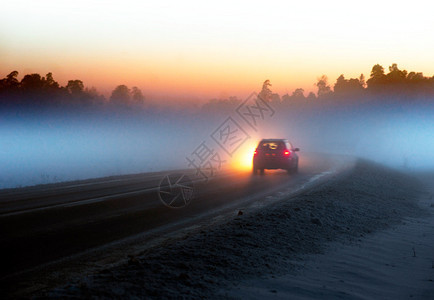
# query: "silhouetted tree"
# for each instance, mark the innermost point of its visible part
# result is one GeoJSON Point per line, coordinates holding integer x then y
{"type": "Point", "coordinates": [93, 95]}
{"type": "Point", "coordinates": [121, 95]}
{"type": "Point", "coordinates": [75, 87]}
{"type": "Point", "coordinates": [275, 98]}
{"type": "Point", "coordinates": [377, 78]}
{"type": "Point", "coordinates": [32, 83]}
{"type": "Point", "coordinates": [414, 77]}
{"type": "Point", "coordinates": [9, 85]}
{"type": "Point", "coordinates": [266, 92]}
{"type": "Point", "coordinates": [137, 96]}
{"type": "Point", "coordinates": [340, 84]}
{"type": "Point", "coordinates": [323, 87]}
{"type": "Point", "coordinates": [396, 75]}
{"type": "Point", "coordinates": [50, 83]}
{"type": "Point", "coordinates": [296, 97]}
{"type": "Point", "coordinates": [344, 87]}
{"type": "Point", "coordinates": [298, 94]}
{"type": "Point", "coordinates": [286, 98]}
{"type": "Point", "coordinates": [11, 80]}
{"type": "Point", "coordinates": [311, 97]}
{"type": "Point", "coordinates": [399, 83]}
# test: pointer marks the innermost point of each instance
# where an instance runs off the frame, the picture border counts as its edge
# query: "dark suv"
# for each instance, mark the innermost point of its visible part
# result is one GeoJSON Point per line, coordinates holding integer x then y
{"type": "Point", "coordinates": [275, 154]}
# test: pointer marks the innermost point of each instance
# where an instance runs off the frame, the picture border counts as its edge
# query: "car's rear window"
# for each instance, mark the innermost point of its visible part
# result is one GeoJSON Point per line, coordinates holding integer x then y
{"type": "Point", "coordinates": [271, 145]}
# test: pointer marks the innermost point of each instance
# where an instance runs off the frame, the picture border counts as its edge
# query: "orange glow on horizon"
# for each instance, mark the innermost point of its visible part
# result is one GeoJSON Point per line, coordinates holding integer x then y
{"type": "Point", "coordinates": [210, 50]}
{"type": "Point", "coordinates": [195, 78]}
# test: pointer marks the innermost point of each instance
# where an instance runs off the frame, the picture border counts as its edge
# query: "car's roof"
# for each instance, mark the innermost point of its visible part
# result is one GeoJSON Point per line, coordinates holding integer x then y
{"type": "Point", "coordinates": [274, 140]}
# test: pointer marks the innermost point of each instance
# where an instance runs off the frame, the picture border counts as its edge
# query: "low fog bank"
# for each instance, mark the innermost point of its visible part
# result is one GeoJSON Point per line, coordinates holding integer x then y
{"type": "Point", "coordinates": [400, 136]}
{"type": "Point", "coordinates": [49, 146]}
{"type": "Point", "coordinates": [53, 146]}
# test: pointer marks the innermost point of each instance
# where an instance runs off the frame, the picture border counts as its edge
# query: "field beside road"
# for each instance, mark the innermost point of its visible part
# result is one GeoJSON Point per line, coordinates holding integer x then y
{"type": "Point", "coordinates": [334, 239]}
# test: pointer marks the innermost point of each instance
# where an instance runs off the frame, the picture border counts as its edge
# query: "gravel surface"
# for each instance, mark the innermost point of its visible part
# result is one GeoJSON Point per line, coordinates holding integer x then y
{"type": "Point", "coordinates": [258, 243]}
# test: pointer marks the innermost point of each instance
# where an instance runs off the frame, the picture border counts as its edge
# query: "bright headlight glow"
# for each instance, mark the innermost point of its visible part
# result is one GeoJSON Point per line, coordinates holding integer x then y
{"type": "Point", "coordinates": [242, 158]}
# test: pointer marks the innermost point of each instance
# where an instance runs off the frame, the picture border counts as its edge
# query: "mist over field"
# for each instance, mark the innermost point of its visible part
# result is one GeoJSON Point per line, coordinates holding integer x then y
{"type": "Point", "coordinates": [49, 146]}
{"type": "Point", "coordinates": [53, 146]}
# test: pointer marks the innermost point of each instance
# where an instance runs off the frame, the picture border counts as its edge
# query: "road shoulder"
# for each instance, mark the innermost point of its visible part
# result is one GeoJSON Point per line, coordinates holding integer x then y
{"type": "Point", "coordinates": [396, 263]}
{"type": "Point", "coordinates": [272, 241]}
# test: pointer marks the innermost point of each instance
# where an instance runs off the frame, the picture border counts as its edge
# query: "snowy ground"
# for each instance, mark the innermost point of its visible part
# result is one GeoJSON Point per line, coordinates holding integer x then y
{"type": "Point", "coordinates": [352, 237]}
{"type": "Point", "coordinates": [397, 263]}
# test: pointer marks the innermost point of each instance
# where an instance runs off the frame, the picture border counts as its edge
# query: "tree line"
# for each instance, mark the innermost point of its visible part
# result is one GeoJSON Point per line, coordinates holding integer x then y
{"type": "Point", "coordinates": [396, 84]}
{"type": "Point", "coordinates": [34, 89]}
{"type": "Point", "coordinates": [381, 87]}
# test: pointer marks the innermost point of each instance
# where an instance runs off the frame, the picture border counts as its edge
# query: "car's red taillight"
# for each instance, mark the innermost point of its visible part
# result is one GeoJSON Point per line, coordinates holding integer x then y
{"type": "Point", "coordinates": [286, 153]}
{"type": "Point", "coordinates": [255, 153]}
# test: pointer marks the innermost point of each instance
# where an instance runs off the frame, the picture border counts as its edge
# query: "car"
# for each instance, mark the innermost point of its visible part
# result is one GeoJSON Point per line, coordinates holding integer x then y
{"type": "Point", "coordinates": [275, 154]}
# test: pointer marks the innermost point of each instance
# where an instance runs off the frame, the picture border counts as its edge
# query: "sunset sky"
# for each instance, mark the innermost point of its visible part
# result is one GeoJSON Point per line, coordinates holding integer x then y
{"type": "Point", "coordinates": [202, 50]}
